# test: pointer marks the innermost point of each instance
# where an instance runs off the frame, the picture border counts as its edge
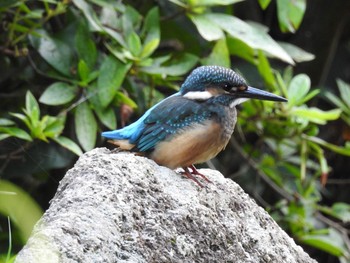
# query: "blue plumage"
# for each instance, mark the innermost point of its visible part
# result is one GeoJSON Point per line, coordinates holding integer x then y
{"type": "Point", "coordinates": [194, 124]}
{"type": "Point", "coordinates": [133, 131]}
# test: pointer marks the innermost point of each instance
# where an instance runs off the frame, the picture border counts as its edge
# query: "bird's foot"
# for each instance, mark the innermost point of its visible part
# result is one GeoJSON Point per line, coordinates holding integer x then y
{"type": "Point", "coordinates": [195, 171]}
{"type": "Point", "coordinates": [189, 174]}
{"type": "Point", "coordinates": [115, 150]}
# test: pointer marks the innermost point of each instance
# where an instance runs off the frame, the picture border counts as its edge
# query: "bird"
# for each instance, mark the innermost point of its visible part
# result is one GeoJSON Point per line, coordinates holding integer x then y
{"type": "Point", "coordinates": [193, 125]}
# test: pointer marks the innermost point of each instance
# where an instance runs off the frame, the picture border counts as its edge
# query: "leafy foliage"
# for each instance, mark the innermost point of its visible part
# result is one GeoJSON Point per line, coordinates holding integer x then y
{"type": "Point", "coordinates": [82, 66]}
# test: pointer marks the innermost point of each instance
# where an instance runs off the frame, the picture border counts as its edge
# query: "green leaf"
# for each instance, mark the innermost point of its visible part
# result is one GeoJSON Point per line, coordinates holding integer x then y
{"type": "Point", "coordinates": [20, 207]}
{"type": "Point", "coordinates": [134, 44]}
{"type": "Point", "coordinates": [338, 210]}
{"type": "Point", "coordinates": [68, 144]}
{"type": "Point", "coordinates": [177, 67]}
{"type": "Point", "coordinates": [32, 108]}
{"type": "Point", "coordinates": [341, 211]}
{"type": "Point", "coordinates": [152, 31]}
{"type": "Point", "coordinates": [55, 52]}
{"type": "Point", "coordinates": [58, 93]}
{"type": "Point", "coordinates": [341, 150]}
{"type": "Point", "coordinates": [332, 242]}
{"type": "Point", "coordinates": [249, 34]}
{"type": "Point", "coordinates": [344, 90]}
{"type": "Point", "coordinates": [85, 126]}
{"type": "Point", "coordinates": [89, 14]}
{"type": "Point", "coordinates": [337, 102]}
{"type": "Point", "coordinates": [264, 3]}
{"type": "Point", "coordinates": [297, 89]}
{"type": "Point", "coordinates": [4, 136]}
{"type": "Point", "coordinates": [83, 71]}
{"type": "Point", "coordinates": [206, 28]}
{"type": "Point", "coordinates": [23, 118]}
{"type": "Point", "coordinates": [9, 3]}
{"type": "Point", "coordinates": [213, 2]}
{"type": "Point", "coordinates": [85, 46]}
{"type": "Point", "coordinates": [297, 54]}
{"type": "Point", "coordinates": [6, 122]}
{"type": "Point", "coordinates": [53, 126]}
{"type": "Point", "coordinates": [238, 48]}
{"type": "Point", "coordinates": [219, 56]}
{"type": "Point", "coordinates": [16, 132]}
{"type": "Point", "coordinates": [121, 98]}
{"type": "Point", "coordinates": [290, 14]}
{"type": "Point", "coordinates": [265, 70]}
{"type": "Point", "coordinates": [112, 74]}
{"type": "Point", "coordinates": [316, 115]}
{"type": "Point", "coordinates": [107, 117]}
{"type": "Point", "coordinates": [310, 95]}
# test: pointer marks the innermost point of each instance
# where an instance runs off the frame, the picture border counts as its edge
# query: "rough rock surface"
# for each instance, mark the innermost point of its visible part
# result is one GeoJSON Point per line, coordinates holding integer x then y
{"type": "Point", "coordinates": [117, 207]}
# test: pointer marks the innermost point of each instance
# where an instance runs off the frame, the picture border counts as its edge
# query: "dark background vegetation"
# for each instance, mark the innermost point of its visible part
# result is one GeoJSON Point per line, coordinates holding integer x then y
{"type": "Point", "coordinates": [71, 69]}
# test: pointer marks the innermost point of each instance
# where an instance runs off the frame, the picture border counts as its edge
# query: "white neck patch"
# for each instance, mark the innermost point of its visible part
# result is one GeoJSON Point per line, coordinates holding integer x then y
{"type": "Point", "coordinates": [238, 101]}
{"type": "Point", "coordinates": [198, 95]}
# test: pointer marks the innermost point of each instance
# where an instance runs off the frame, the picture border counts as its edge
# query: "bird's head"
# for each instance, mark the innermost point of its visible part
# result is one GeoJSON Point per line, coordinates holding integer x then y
{"type": "Point", "coordinates": [221, 85]}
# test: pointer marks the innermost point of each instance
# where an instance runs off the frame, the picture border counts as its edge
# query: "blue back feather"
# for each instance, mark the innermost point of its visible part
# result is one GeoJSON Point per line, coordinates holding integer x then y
{"type": "Point", "coordinates": [133, 131]}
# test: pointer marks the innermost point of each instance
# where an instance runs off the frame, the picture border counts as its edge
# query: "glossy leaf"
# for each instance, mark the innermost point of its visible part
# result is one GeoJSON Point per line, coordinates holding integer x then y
{"type": "Point", "coordinates": [107, 117]}
{"type": "Point", "coordinates": [337, 102]}
{"type": "Point", "coordinates": [16, 132]}
{"type": "Point", "coordinates": [83, 71]}
{"type": "Point", "coordinates": [6, 122]}
{"type": "Point", "coordinates": [32, 108]}
{"type": "Point", "coordinates": [23, 118]}
{"type": "Point", "coordinates": [4, 136]}
{"type": "Point", "coordinates": [112, 74]}
{"type": "Point", "coordinates": [152, 32]}
{"type": "Point", "coordinates": [68, 144]}
{"type": "Point", "coordinates": [85, 46]}
{"type": "Point", "coordinates": [20, 207]}
{"type": "Point", "coordinates": [265, 70]}
{"type": "Point", "coordinates": [341, 211]}
{"type": "Point", "coordinates": [206, 28]}
{"type": "Point", "coordinates": [290, 14]}
{"type": "Point", "coordinates": [264, 3]}
{"type": "Point", "coordinates": [58, 93]}
{"type": "Point", "coordinates": [344, 89]}
{"type": "Point", "coordinates": [238, 48]}
{"type": "Point", "coordinates": [134, 44]}
{"type": "Point", "coordinates": [55, 52]}
{"type": "Point", "coordinates": [85, 126]}
{"type": "Point", "coordinates": [331, 242]}
{"type": "Point", "coordinates": [53, 126]}
{"type": "Point", "coordinates": [121, 98]}
{"type": "Point", "coordinates": [177, 67]}
{"type": "Point", "coordinates": [252, 36]}
{"type": "Point", "coordinates": [316, 115]}
{"type": "Point", "coordinates": [341, 150]}
{"type": "Point", "coordinates": [297, 54]}
{"type": "Point", "coordinates": [213, 2]}
{"type": "Point", "coordinates": [297, 89]}
{"type": "Point", "coordinates": [89, 14]}
{"type": "Point", "coordinates": [219, 56]}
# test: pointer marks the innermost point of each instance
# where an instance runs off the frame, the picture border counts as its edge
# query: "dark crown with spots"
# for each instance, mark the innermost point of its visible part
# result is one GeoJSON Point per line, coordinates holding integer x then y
{"type": "Point", "coordinates": [206, 76]}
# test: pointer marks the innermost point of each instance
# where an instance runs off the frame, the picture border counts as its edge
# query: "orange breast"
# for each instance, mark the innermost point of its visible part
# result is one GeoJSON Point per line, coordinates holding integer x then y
{"type": "Point", "coordinates": [195, 144]}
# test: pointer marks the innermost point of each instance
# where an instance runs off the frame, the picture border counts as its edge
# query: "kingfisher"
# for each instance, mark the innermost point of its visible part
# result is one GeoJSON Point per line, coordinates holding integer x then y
{"type": "Point", "coordinates": [193, 125]}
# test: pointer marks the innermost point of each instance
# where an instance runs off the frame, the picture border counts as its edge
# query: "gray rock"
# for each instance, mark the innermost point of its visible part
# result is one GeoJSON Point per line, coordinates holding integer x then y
{"type": "Point", "coordinates": [117, 207]}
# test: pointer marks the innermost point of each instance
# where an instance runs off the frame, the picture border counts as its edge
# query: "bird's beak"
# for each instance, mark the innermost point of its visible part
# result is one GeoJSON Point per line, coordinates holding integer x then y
{"type": "Point", "coordinates": [253, 93]}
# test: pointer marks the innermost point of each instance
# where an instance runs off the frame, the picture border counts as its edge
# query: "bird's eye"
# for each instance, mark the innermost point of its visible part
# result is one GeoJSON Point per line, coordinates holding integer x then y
{"type": "Point", "coordinates": [227, 87]}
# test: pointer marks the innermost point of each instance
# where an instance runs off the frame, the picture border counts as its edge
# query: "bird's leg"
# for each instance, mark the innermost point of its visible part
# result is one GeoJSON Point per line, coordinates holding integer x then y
{"type": "Point", "coordinates": [195, 171]}
{"type": "Point", "coordinates": [190, 176]}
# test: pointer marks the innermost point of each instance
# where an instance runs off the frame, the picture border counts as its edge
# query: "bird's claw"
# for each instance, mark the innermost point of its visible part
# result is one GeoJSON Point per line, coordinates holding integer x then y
{"type": "Point", "coordinates": [189, 175]}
